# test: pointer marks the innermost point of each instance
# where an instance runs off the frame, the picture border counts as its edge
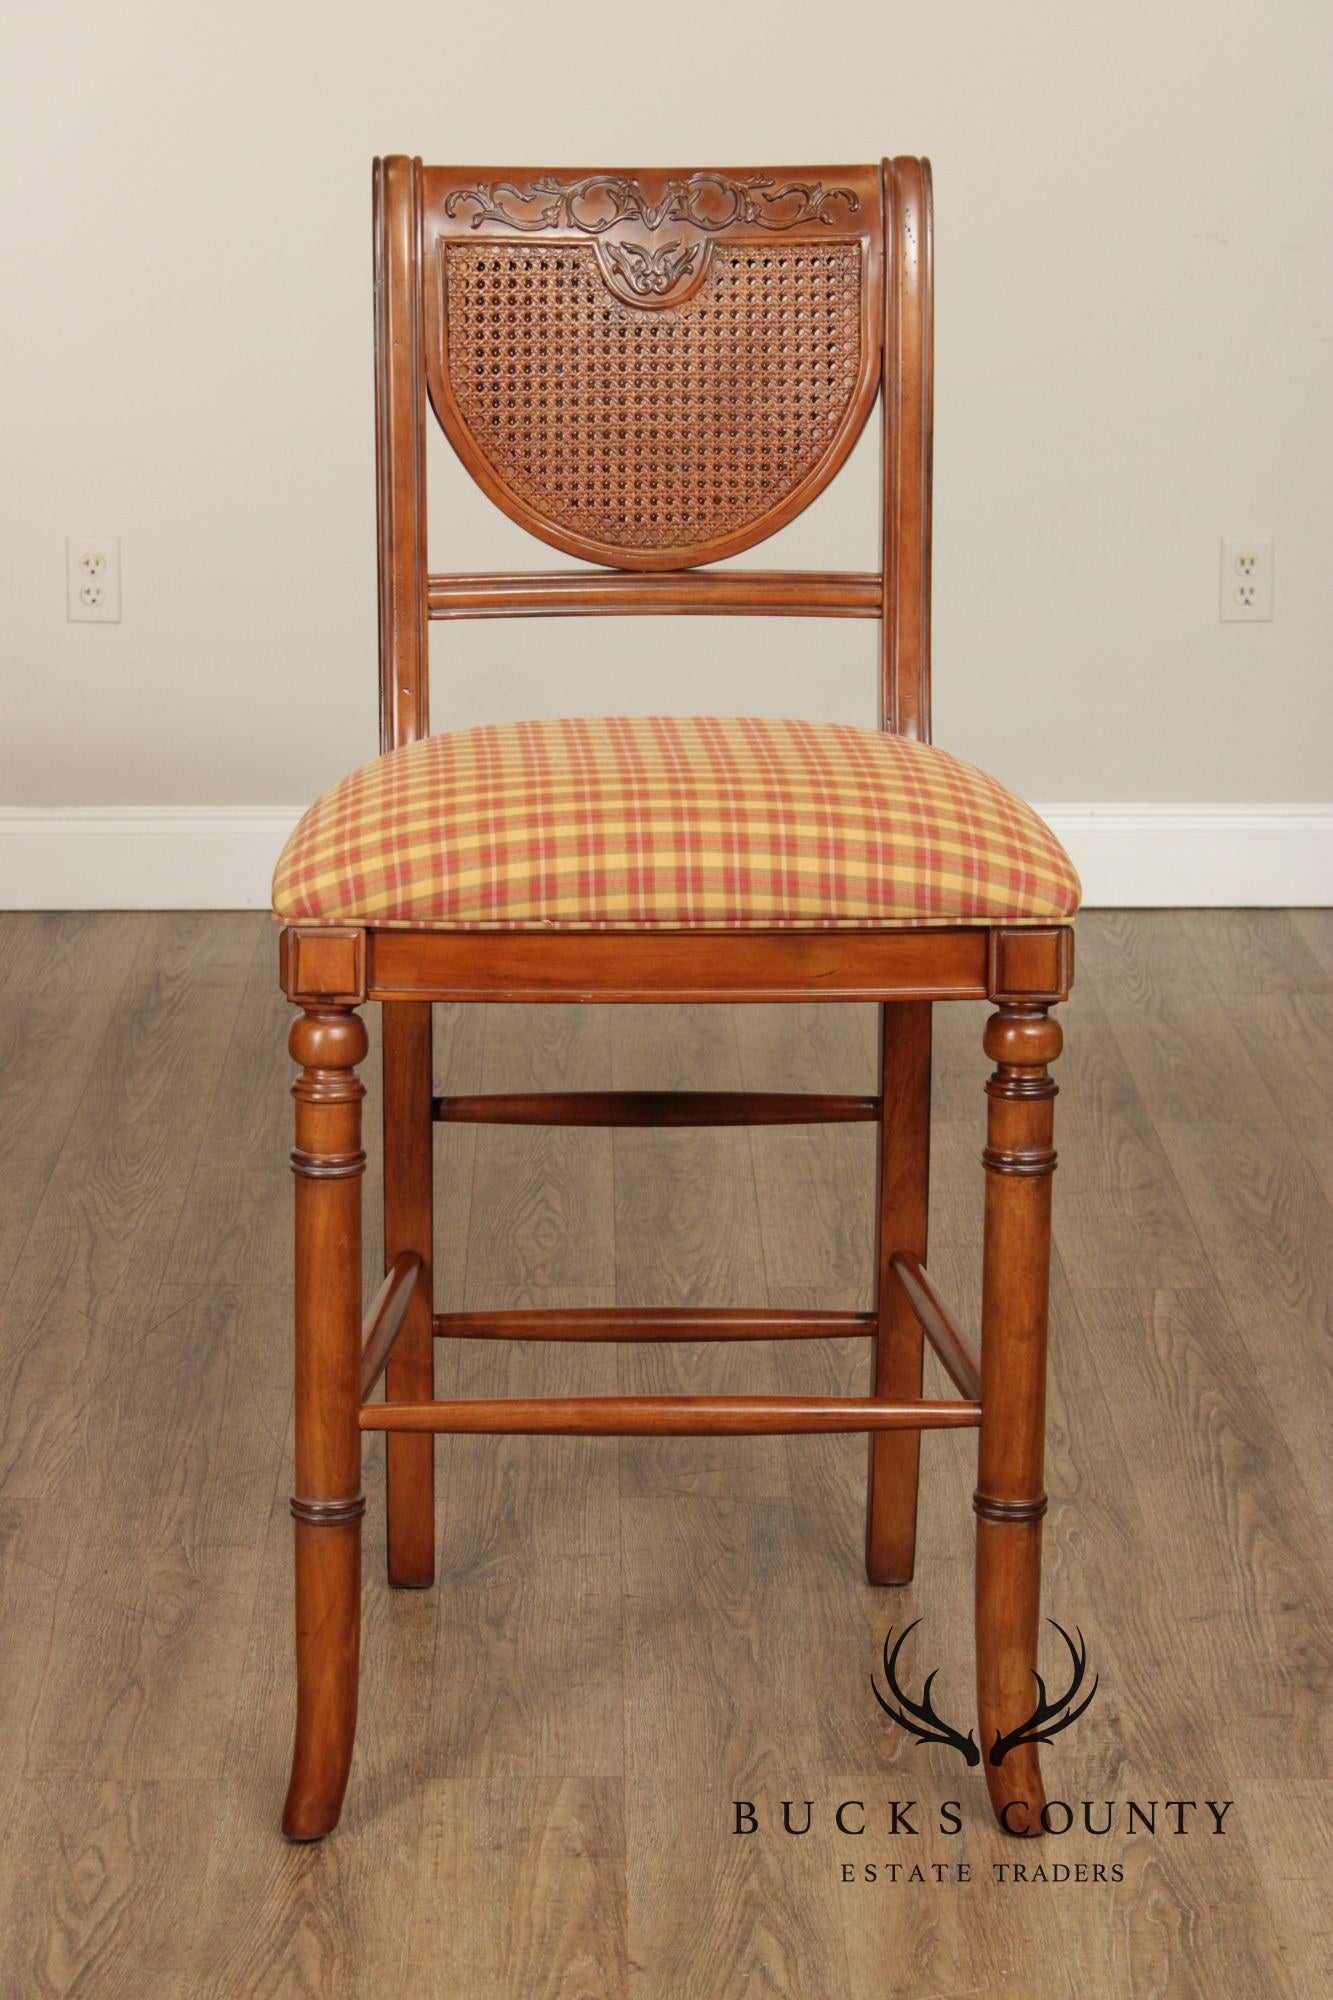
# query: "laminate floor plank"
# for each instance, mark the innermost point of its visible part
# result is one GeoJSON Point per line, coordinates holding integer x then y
{"type": "Point", "coordinates": [1130, 952]}
{"type": "Point", "coordinates": [83, 1288]}
{"type": "Point", "coordinates": [1266, 1224]}
{"type": "Point", "coordinates": [48, 1047]}
{"type": "Point", "coordinates": [522, 1890]}
{"type": "Point", "coordinates": [1256, 951]}
{"type": "Point", "coordinates": [235, 1223]}
{"type": "Point", "coordinates": [627, 1637]}
{"type": "Point", "coordinates": [716, 1712]}
{"type": "Point", "coordinates": [1287, 1035]}
{"type": "Point", "coordinates": [1315, 930]}
{"type": "Point", "coordinates": [100, 1877]}
{"type": "Point", "coordinates": [1291, 1840]}
{"type": "Point", "coordinates": [1120, 1205]}
{"type": "Point", "coordinates": [1239, 1579]}
{"type": "Point", "coordinates": [35, 1547]}
{"type": "Point", "coordinates": [278, 1920]}
{"type": "Point", "coordinates": [54, 954]}
{"type": "Point", "coordinates": [158, 1591]}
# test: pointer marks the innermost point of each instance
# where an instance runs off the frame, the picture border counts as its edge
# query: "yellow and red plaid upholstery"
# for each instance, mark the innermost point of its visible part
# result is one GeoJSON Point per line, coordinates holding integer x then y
{"type": "Point", "coordinates": [670, 823]}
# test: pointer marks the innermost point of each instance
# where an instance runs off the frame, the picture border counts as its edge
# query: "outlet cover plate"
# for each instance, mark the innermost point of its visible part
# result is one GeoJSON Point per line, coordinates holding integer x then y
{"type": "Point", "coordinates": [92, 579]}
{"type": "Point", "coordinates": [1246, 579]}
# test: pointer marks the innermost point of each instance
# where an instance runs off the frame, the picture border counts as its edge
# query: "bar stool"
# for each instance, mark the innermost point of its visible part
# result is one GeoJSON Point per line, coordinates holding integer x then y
{"type": "Point", "coordinates": [652, 371]}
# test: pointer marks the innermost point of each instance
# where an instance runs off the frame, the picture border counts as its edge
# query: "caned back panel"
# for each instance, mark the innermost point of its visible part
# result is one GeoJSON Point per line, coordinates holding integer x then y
{"type": "Point", "coordinates": [652, 369]}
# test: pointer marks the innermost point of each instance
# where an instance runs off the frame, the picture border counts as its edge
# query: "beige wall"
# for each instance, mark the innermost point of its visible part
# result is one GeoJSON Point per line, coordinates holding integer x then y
{"type": "Point", "coordinates": [1133, 344]}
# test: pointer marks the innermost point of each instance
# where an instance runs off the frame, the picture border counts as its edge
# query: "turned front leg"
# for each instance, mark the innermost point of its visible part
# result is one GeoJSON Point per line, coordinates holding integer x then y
{"type": "Point", "coordinates": [1019, 1160]}
{"type": "Point", "coordinates": [328, 1503]}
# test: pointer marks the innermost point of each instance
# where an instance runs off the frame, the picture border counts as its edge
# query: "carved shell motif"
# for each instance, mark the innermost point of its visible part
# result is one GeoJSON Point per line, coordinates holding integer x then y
{"type": "Point", "coordinates": [651, 274]}
{"type": "Point", "coordinates": [642, 274]}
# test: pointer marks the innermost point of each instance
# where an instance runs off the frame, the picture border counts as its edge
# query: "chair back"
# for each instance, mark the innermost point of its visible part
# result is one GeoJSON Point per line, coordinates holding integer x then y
{"type": "Point", "coordinates": [652, 371]}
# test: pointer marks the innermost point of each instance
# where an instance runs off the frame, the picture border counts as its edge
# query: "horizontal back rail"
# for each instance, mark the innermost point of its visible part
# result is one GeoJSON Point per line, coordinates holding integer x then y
{"type": "Point", "coordinates": [617, 593]}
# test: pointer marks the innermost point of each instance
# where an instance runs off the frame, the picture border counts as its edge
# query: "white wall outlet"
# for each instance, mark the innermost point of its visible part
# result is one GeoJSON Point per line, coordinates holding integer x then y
{"type": "Point", "coordinates": [1247, 578]}
{"type": "Point", "coordinates": [92, 579]}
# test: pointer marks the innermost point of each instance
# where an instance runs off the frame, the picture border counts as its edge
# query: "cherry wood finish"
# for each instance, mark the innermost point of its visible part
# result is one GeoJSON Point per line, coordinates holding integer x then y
{"type": "Point", "coordinates": [656, 1107]}
{"type": "Point", "coordinates": [956, 1352]}
{"type": "Point", "coordinates": [678, 965]}
{"type": "Point", "coordinates": [908, 418]}
{"type": "Point", "coordinates": [639, 449]}
{"type": "Point", "coordinates": [328, 1502]}
{"type": "Point", "coordinates": [902, 1197]}
{"type": "Point", "coordinates": [668, 1416]}
{"type": "Point", "coordinates": [794, 593]}
{"type": "Point", "coordinates": [611, 417]}
{"type": "Point", "coordinates": [400, 454]}
{"type": "Point", "coordinates": [408, 1232]}
{"type": "Point", "coordinates": [384, 1318]}
{"type": "Point", "coordinates": [1019, 1159]}
{"type": "Point", "coordinates": [652, 1323]}
{"type": "Point", "coordinates": [327, 965]}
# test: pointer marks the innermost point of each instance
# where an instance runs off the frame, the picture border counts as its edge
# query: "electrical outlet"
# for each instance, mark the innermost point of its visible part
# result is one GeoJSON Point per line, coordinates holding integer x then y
{"type": "Point", "coordinates": [92, 579]}
{"type": "Point", "coordinates": [1247, 578]}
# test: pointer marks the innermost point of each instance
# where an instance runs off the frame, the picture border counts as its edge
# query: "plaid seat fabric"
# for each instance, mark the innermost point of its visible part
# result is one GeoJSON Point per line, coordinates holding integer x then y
{"type": "Point", "coordinates": [670, 823]}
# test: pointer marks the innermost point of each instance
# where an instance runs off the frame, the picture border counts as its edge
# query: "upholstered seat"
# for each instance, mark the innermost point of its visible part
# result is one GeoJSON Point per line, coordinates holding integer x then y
{"type": "Point", "coordinates": [671, 823]}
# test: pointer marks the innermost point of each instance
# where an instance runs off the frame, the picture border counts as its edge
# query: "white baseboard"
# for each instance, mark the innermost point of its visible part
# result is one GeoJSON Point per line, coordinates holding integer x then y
{"type": "Point", "coordinates": [1200, 857]}
{"type": "Point", "coordinates": [140, 857]}
{"type": "Point", "coordinates": [221, 857]}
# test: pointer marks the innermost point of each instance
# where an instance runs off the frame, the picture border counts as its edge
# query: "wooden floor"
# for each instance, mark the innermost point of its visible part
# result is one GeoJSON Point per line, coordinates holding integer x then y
{"type": "Point", "coordinates": [628, 1636]}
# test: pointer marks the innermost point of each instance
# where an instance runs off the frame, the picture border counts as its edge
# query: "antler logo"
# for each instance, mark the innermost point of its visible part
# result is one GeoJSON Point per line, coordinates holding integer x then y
{"type": "Point", "coordinates": [1047, 1719]}
{"type": "Point", "coordinates": [927, 1726]}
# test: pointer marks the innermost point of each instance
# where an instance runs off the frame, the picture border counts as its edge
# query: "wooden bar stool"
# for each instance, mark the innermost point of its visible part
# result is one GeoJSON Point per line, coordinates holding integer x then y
{"type": "Point", "coordinates": [651, 371]}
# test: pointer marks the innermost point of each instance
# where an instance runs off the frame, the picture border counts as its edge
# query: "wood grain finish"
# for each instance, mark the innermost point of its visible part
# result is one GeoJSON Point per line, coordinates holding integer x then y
{"type": "Point", "coordinates": [902, 1201]}
{"type": "Point", "coordinates": [384, 1318]}
{"type": "Point", "coordinates": [750, 593]}
{"type": "Point", "coordinates": [328, 1503]}
{"type": "Point", "coordinates": [908, 417]}
{"type": "Point", "coordinates": [668, 1416]}
{"type": "Point", "coordinates": [656, 1107]}
{"type": "Point", "coordinates": [610, 426]}
{"type": "Point", "coordinates": [408, 1232]}
{"type": "Point", "coordinates": [649, 1323]}
{"type": "Point", "coordinates": [957, 1355]}
{"type": "Point", "coordinates": [400, 453]}
{"type": "Point", "coordinates": [1019, 1159]}
{"type": "Point", "coordinates": [675, 966]}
